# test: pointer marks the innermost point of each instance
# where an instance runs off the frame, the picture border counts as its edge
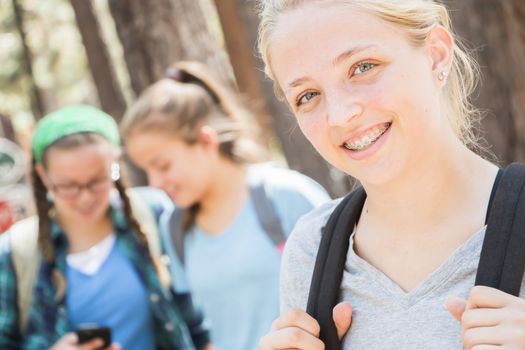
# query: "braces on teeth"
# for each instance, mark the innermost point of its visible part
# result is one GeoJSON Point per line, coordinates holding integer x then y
{"type": "Point", "coordinates": [365, 141]}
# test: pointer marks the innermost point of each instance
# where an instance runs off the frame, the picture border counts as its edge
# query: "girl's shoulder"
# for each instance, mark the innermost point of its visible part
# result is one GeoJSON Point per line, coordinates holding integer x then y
{"type": "Point", "coordinates": [22, 237]}
{"type": "Point", "coordinates": [153, 197]}
{"type": "Point", "coordinates": [306, 235]}
{"type": "Point", "coordinates": [287, 183]}
{"type": "Point", "coordinates": [311, 223]}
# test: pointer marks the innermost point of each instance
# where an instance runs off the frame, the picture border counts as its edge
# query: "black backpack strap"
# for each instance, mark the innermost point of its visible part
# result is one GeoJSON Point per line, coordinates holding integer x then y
{"type": "Point", "coordinates": [177, 234]}
{"type": "Point", "coordinates": [266, 212]}
{"type": "Point", "coordinates": [502, 260]}
{"type": "Point", "coordinates": [493, 193]}
{"type": "Point", "coordinates": [329, 265]}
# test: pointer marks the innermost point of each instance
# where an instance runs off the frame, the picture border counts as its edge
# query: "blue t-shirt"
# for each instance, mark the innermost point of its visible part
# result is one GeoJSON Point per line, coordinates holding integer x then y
{"type": "Point", "coordinates": [235, 275]}
{"type": "Point", "coordinates": [124, 309]}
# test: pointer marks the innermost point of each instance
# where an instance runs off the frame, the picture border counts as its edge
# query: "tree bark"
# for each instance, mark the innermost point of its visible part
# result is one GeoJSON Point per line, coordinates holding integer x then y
{"type": "Point", "coordinates": [109, 92]}
{"type": "Point", "coordinates": [37, 104]}
{"type": "Point", "coordinates": [243, 60]}
{"type": "Point", "coordinates": [495, 30]}
{"type": "Point", "coordinates": [6, 129]}
{"type": "Point", "coordinates": [299, 153]}
{"type": "Point", "coordinates": [154, 34]}
{"type": "Point", "coordinates": [198, 43]}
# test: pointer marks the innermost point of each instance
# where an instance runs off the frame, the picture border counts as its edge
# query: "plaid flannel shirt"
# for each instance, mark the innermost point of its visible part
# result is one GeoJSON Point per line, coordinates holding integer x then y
{"type": "Point", "coordinates": [178, 323]}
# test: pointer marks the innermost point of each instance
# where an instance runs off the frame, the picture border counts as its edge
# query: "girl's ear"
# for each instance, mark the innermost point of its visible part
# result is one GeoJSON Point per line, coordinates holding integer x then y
{"type": "Point", "coordinates": [441, 47]}
{"type": "Point", "coordinates": [208, 138]}
{"type": "Point", "coordinates": [39, 168]}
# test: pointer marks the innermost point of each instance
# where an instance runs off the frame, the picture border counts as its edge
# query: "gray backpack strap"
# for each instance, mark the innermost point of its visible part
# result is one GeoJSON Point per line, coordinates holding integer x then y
{"type": "Point", "coordinates": [26, 260]}
{"type": "Point", "coordinates": [176, 232]}
{"type": "Point", "coordinates": [266, 212]}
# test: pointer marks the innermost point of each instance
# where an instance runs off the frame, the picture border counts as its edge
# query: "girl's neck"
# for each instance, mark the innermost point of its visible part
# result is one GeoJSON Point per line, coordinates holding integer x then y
{"type": "Point", "coordinates": [224, 198]}
{"type": "Point", "coordinates": [84, 235]}
{"type": "Point", "coordinates": [438, 190]}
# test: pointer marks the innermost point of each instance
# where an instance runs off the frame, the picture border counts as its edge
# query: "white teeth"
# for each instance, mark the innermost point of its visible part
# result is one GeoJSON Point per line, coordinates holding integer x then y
{"type": "Point", "coordinates": [367, 139]}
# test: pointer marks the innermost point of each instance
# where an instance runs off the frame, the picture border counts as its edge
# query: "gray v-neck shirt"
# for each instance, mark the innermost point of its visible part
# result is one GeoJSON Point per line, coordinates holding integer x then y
{"type": "Point", "coordinates": [384, 316]}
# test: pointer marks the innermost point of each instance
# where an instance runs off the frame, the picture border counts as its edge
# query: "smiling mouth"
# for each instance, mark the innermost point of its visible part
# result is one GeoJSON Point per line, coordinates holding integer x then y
{"type": "Point", "coordinates": [367, 139]}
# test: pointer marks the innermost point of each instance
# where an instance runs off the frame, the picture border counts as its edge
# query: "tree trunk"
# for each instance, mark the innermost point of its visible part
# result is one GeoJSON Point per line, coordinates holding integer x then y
{"type": "Point", "coordinates": [6, 129]}
{"type": "Point", "coordinates": [496, 30]}
{"type": "Point", "coordinates": [198, 43]}
{"type": "Point", "coordinates": [243, 60]}
{"type": "Point", "coordinates": [149, 38]}
{"type": "Point", "coordinates": [109, 92]}
{"type": "Point", "coordinates": [154, 34]}
{"type": "Point", "coordinates": [299, 154]}
{"type": "Point", "coordinates": [37, 105]}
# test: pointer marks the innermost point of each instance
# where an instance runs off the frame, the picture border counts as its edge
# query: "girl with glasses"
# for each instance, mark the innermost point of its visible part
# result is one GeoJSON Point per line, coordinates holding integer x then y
{"type": "Point", "coordinates": [93, 249]}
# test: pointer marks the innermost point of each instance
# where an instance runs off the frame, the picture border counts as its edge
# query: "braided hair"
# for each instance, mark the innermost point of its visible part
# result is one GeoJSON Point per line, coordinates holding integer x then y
{"type": "Point", "coordinates": [45, 210]}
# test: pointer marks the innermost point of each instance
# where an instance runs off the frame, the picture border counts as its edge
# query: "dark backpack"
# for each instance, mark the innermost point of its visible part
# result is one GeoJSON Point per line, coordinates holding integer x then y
{"type": "Point", "coordinates": [501, 264]}
{"type": "Point", "coordinates": [264, 208]}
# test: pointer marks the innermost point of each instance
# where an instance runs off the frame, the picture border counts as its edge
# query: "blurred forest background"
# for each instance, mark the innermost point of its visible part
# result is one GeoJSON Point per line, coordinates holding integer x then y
{"type": "Point", "coordinates": [105, 52]}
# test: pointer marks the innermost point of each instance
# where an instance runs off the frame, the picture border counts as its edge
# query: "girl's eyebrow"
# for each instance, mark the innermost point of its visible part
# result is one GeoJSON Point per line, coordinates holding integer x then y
{"type": "Point", "coordinates": [295, 83]}
{"type": "Point", "coordinates": [341, 57]}
{"type": "Point", "coordinates": [99, 176]}
{"type": "Point", "coordinates": [349, 53]}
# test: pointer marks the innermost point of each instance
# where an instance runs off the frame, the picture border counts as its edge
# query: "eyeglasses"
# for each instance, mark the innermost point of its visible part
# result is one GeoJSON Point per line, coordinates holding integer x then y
{"type": "Point", "coordinates": [73, 190]}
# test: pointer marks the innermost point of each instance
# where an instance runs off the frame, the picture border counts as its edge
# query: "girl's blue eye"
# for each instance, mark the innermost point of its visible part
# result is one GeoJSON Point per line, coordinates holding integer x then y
{"type": "Point", "coordinates": [363, 67]}
{"type": "Point", "coordinates": [306, 97]}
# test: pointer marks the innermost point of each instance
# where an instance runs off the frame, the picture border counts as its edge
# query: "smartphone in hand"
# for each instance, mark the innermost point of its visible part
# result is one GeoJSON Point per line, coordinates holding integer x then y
{"type": "Point", "coordinates": [87, 332]}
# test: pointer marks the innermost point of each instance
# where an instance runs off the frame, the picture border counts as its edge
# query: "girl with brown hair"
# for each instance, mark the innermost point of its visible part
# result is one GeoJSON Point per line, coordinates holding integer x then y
{"type": "Point", "coordinates": [193, 139]}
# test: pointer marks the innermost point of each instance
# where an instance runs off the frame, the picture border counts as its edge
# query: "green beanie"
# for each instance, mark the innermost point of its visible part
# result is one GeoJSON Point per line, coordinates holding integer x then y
{"type": "Point", "coordinates": [72, 120]}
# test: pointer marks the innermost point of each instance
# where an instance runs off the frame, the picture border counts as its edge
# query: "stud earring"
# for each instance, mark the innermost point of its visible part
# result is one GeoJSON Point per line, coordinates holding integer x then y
{"type": "Point", "coordinates": [442, 75]}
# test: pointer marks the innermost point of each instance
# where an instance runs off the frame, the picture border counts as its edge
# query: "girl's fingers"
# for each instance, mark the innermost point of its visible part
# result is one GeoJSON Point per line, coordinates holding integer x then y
{"type": "Point", "coordinates": [486, 297]}
{"type": "Point", "coordinates": [115, 346]}
{"type": "Point", "coordinates": [94, 344]}
{"type": "Point", "coordinates": [298, 319]}
{"type": "Point", "coordinates": [342, 315]}
{"type": "Point", "coordinates": [486, 347]}
{"type": "Point", "coordinates": [456, 306]}
{"type": "Point", "coordinates": [482, 318]}
{"type": "Point", "coordinates": [483, 336]}
{"type": "Point", "coordinates": [290, 338]}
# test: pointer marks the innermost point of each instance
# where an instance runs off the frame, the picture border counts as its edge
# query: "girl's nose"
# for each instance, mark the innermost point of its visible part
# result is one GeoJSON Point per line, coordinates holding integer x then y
{"type": "Point", "coordinates": [342, 107]}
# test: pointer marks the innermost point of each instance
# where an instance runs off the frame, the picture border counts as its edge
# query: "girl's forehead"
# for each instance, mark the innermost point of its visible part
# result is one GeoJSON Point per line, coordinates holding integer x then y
{"type": "Point", "coordinates": [315, 35]}
{"type": "Point", "coordinates": [330, 19]}
{"type": "Point", "coordinates": [79, 159]}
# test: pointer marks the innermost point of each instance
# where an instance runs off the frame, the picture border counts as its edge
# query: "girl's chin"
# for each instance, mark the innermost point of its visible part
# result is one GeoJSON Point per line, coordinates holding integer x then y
{"type": "Point", "coordinates": [90, 215]}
